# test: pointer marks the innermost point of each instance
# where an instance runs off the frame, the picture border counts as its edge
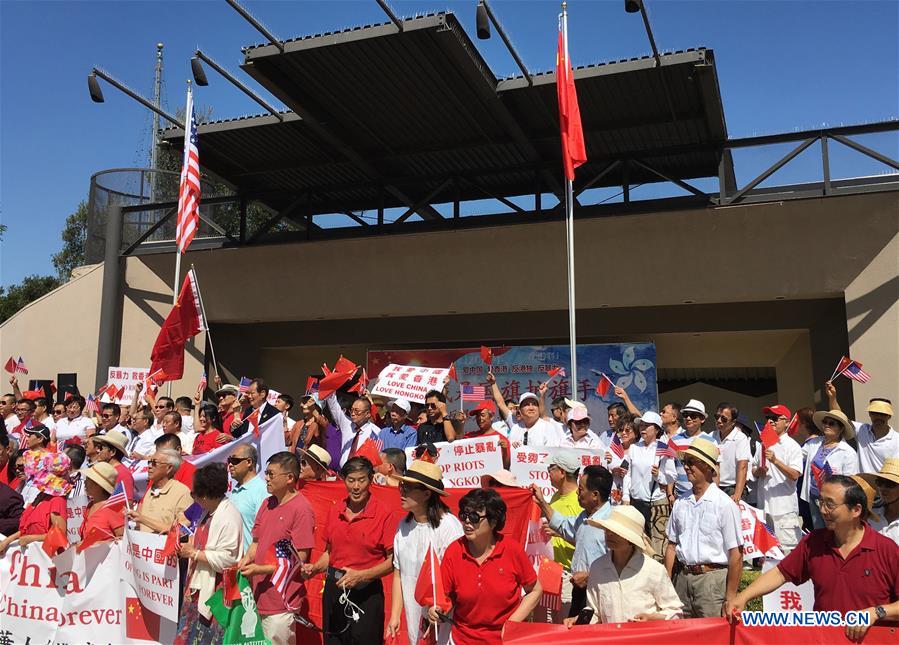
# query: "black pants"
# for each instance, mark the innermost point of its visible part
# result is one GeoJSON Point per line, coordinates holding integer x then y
{"type": "Point", "coordinates": [645, 509]}
{"type": "Point", "coordinates": [369, 628]}
{"type": "Point", "coordinates": [578, 600]}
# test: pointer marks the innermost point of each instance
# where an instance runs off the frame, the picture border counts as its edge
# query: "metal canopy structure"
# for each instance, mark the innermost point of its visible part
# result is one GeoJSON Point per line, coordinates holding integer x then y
{"type": "Point", "coordinates": [386, 118]}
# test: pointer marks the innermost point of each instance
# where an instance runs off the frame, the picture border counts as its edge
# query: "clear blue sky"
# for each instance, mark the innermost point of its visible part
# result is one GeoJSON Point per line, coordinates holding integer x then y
{"type": "Point", "coordinates": [782, 66]}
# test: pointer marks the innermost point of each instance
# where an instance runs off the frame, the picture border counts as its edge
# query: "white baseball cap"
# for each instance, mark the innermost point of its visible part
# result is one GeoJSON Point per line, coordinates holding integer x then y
{"type": "Point", "coordinates": [653, 418]}
{"type": "Point", "coordinates": [403, 405]}
{"type": "Point", "coordinates": [526, 396]}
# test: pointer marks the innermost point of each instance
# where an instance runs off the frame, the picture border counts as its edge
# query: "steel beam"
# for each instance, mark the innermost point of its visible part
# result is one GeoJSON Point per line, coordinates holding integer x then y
{"type": "Point", "coordinates": [676, 182]}
{"type": "Point", "coordinates": [771, 170]}
{"type": "Point", "coordinates": [866, 151]}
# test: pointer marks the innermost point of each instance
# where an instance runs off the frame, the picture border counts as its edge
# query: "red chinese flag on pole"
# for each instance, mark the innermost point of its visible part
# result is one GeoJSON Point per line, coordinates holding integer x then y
{"type": "Point", "coordinates": [487, 355]}
{"type": "Point", "coordinates": [183, 323]}
{"type": "Point", "coordinates": [171, 542]}
{"type": "Point", "coordinates": [369, 450]}
{"type": "Point", "coordinates": [10, 365]}
{"type": "Point", "coordinates": [604, 385]}
{"type": "Point", "coordinates": [452, 372]}
{"type": "Point", "coordinates": [574, 152]}
{"type": "Point", "coordinates": [56, 541]}
{"type": "Point", "coordinates": [429, 590]}
{"type": "Point", "coordinates": [769, 436]}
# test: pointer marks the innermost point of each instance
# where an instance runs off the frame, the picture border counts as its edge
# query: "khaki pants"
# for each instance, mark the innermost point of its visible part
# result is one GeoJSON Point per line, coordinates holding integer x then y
{"type": "Point", "coordinates": [279, 629]}
{"type": "Point", "coordinates": [702, 594]}
{"type": "Point", "coordinates": [787, 528]}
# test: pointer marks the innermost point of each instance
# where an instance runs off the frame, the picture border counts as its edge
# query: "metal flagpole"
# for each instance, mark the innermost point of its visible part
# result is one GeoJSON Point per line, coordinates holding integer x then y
{"type": "Point", "coordinates": [569, 239]}
{"type": "Point", "coordinates": [205, 321]}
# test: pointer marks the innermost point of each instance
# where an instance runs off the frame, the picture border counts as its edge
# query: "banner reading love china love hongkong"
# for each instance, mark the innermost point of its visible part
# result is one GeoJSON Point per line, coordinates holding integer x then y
{"type": "Point", "coordinates": [73, 598]}
{"type": "Point", "coordinates": [521, 369]}
{"type": "Point", "coordinates": [694, 630]}
{"type": "Point", "coordinates": [463, 462]}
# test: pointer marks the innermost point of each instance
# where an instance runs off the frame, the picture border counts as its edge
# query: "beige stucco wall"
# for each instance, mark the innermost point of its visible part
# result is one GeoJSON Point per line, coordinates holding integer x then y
{"type": "Point", "coordinates": [872, 312]}
{"type": "Point", "coordinates": [58, 332]}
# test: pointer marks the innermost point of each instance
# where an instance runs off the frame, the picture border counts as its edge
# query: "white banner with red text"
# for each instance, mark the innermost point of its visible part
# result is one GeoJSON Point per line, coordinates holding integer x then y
{"type": "Point", "coordinates": [410, 382]}
{"type": "Point", "coordinates": [529, 464]}
{"type": "Point", "coordinates": [72, 598]}
{"type": "Point", "coordinates": [464, 461]}
{"type": "Point", "coordinates": [153, 575]}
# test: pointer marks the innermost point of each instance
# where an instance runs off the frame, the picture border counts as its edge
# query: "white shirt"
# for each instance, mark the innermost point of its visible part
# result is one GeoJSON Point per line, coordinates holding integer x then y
{"type": "Point", "coordinates": [348, 429]}
{"type": "Point", "coordinates": [187, 423]}
{"type": "Point", "coordinates": [777, 492]}
{"type": "Point", "coordinates": [642, 588]}
{"type": "Point", "coordinates": [842, 460]}
{"type": "Point", "coordinates": [541, 434]}
{"type": "Point", "coordinates": [187, 441]}
{"type": "Point", "coordinates": [67, 428]}
{"type": "Point", "coordinates": [733, 448]}
{"type": "Point", "coordinates": [410, 546]}
{"type": "Point", "coordinates": [642, 458]}
{"type": "Point", "coordinates": [872, 452]}
{"type": "Point", "coordinates": [589, 440]}
{"type": "Point", "coordinates": [145, 442]}
{"type": "Point", "coordinates": [705, 529]}
{"type": "Point", "coordinates": [891, 530]}
{"type": "Point", "coordinates": [11, 422]}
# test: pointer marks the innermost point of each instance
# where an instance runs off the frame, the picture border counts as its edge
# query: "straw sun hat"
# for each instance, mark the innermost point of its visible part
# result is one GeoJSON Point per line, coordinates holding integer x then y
{"type": "Point", "coordinates": [426, 474]}
{"type": "Point", "coordinates": [626, 522]}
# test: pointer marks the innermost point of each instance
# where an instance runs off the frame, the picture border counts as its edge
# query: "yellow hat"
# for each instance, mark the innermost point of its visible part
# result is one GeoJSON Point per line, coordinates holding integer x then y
{"type": "Point", "coordinates": [704, 450]}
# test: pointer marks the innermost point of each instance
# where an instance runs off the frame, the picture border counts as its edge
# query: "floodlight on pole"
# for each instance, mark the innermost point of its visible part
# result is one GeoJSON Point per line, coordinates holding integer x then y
{"type": "Point", "coordinates": [196, 68]}
{"type": "Point", "coordinates": [633, 6]}
{"type": "Point", "coordinates": [485, 17]}
{"type": "Point", "coordinates": [200, 77]}
{"type": "Point", "coordinates": [96, 93]}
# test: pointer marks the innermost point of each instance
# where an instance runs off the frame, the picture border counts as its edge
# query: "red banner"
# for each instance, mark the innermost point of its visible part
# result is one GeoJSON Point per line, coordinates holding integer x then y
{"type": "Point", "coordinates": [323, 495]}
{"type": "Point", "coordinates": [694, 630]}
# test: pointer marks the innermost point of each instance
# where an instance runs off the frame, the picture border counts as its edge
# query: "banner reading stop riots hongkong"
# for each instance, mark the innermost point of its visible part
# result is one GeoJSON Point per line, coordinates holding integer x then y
{"type": "Point", "coordinates": [463, 462]}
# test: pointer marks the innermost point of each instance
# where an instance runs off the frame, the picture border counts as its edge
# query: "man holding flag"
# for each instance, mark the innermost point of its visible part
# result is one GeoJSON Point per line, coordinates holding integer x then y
{"type": "Point", "coordinates": [777, 467]}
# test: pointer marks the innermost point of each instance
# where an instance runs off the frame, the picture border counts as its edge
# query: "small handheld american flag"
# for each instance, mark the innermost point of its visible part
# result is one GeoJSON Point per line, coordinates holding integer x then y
{"type": "Point", "coordinates": [90, 405]}
{"type": "Point", "coordinates": [20, 366]}
{"type": "Point", "coordinates": [616, 446]}
{"type": "Point", "coordinates": [118, 500]}
{"type": "Point", "coordinates": [853, 370]}
{"type": "Point", "coordinates": [203, 382]}
{"type": "Point", "coordinates": [663, 450]}
{"type": "Point", "coordinates": [283, 557]}
{"type": "Point", "coordinates": [473, 393]}
{"type": "Point", "coordinates": [244, 385]}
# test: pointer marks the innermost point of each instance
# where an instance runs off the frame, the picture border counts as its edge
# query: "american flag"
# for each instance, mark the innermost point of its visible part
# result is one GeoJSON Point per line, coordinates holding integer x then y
{"type": "Point", "coordinates": [616, 446]}
{"type": "Point", "coordinates": [20, 366]}
{"type": "Point", "coordinates": [189, 191]}
{"type": "Point", "coordinates": [853, 370]}
{"type": "Point", "coordinates": [282, 556]}
{"type": "Point", "coordinates": [203, 382]}
{"type": "Point", "coordinates": [664, 450]}
{"type": "Point", "coordinates": [90, 405]}
{"type": "Point", "coordinates": [821, 474]}
{"type": "Point", "coordinates": [118, 499]}
{"type": "Point", "coordinates": [473, 393]}
{"type": "Point", "coordinates": [244, 385]}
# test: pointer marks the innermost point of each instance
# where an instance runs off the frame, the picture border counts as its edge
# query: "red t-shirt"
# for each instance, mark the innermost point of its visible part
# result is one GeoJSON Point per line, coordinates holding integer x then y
{"type": "Point", "coordinates": [205, 441]}
{"type": "Point", "coordinates": [35, 520]}
{"type": "Point", "coordinates": [362, 542]}
{"type": "Point", "coordinates": [106, 519]}
{"type": "Point", "coordinates": [126, 478]}
{"type": "Point", "coordinates": [4, 478]}
{"type": "Point", "coordinates": [294, 521]}
{"type": "Point", "coordinates": [485, 595]}
{"type": "Point", "coordinates": [868, 577]}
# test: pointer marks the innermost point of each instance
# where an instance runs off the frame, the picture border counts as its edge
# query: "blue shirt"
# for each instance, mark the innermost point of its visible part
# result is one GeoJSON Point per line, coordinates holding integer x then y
{"type": "Point", "coordinates": [247, 499]}
{"type": "Point", "coordinates": [589, 541]}
{"type": "Point", "coordinates": [405, 437]}
{"type": "Point", "coordinates": [683, 486]}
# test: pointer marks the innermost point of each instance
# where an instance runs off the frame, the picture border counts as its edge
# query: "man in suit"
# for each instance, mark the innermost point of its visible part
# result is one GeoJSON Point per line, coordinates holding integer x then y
{"type": "Point", "coordinates": [257, 395]}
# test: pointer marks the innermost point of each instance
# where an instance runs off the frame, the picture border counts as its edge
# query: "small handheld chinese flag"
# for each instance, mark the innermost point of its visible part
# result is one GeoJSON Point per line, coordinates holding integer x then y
{"type": "Point", "coordinates": [10, 365]}
{"type": "Point", "coordinates": [231, 590]}
{"type": "Point", "coordinates": [487, 355]}
{"type": "Point", "coordinates": [311, 385]}
{"type": "Point", "coordinates": [345, 366]}
{"type": "Point", "coordinates": [171, 542]}
{"type": "Point", "coordinates": [794, 425]}
{"type": "Point", "coordinates": [429, 590]}
{"type": "Point", "coordinates": [369, 450]}
{"type": "Point", "coordinates": [768, 435]}
{"type": "Point", "coordinates": [604, 385]}
{"type": "Point", "coordinates": [56, 541]}
{"type": "Point", "coordinates": [550, 576]}
{"type": "Point", "coordinates": [452, 372]}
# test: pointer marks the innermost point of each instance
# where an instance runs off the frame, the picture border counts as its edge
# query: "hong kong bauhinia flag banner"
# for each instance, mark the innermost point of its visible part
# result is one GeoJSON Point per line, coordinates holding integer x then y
{"type": "Point", "coordinates": [183, 323]}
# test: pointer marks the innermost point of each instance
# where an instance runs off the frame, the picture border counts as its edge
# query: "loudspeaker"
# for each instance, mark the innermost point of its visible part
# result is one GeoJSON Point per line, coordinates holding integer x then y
{"type": "Point", "coordinates": [66, 384]}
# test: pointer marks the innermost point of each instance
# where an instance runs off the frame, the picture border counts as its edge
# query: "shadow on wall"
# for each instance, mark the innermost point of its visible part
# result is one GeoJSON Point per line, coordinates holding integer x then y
{"type": "Point", "coordinates": [872, 306]}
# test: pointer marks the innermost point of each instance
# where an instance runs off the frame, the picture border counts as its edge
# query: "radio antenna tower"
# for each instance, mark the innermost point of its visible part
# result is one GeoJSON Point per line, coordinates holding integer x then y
{"type": "Point", "coordinates": [157, 100]}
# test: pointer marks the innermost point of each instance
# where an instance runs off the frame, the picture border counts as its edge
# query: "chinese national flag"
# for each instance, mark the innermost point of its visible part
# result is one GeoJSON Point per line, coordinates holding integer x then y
{"type": "Point", "coordinates": [56, 541]}
{"type": "Point", "coordinates": [361, 384]}
{"type": "Point", "coordinates": [452, 372]}
{"type": "Point", "coordinates": [183, 323]}
{"type": "Point", "coordinates": [230, 588]}
{"type": "Point", "coordinates": [10, 365]}
{"type": "Point", "coordinates": [430, 593]}
{"type": "Point", "coordinates": [604, 385]}
{"type": "Point", "coordinates": [550, 576]}
{"type": "Point", "coordinates": [487, 355]}
{"type": "Point", "coordinates": [171, 542]}
{"type": "Point", "coordinates": [331, 383]}
{"type": "Point", "coordinates": [94, 536]}
{"type": "Point", "coordinates": [140, 624]}
{"type": "Point", "coordinates": [768, 435]}
{"type": "Point", "coordinates": [311, 385]}
{"type": "Point", "coordinates": [345, 366]}
{"type": "Point", "coordinates": [369, 450]}
{"type": "Point", "coordinates": [794, 425]}
{"type": "Point", "coordinates": [574, 152]}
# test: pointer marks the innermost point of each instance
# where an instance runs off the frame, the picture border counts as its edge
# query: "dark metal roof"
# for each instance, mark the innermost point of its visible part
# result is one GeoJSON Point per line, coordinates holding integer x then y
{"type": "Point", "coordinates": [382, 117]}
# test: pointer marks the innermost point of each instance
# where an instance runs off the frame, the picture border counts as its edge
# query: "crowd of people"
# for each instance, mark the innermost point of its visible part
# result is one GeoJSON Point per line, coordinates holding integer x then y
{"type": "Point", "coordinates": [652, 532]}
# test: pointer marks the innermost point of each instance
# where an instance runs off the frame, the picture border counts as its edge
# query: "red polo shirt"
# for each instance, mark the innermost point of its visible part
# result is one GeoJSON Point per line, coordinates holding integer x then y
{"type": "Point", "coordinates": [361, 542]}
{"type": "Point", "coordinates": [485, 595]}
{"type": "Point", "coordinates": [868, 577]}
{"type": "Point", "coordinates": [35, 520]}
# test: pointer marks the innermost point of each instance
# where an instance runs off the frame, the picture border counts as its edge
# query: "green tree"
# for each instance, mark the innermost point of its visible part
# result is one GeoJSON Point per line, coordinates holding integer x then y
{"type": "Point", "coordinates": [74, 236]}
{"type": "Point", "coordinates": [30, 289]}
{"type": "Point", "coordinates": [2, 230]}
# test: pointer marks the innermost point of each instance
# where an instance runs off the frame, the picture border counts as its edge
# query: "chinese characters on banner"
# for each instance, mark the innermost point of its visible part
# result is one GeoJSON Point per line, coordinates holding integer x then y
{"type": "Point", "coordinates": [463, 462]}
{"type": "Point", "coordinates": [789, 597]}
{"type": "Point", "coordinates": [75, 507]}
{"type": "Point", "coordinates": [410, 382]}
{"type": "Point", "coordinates": [521, 369]}
{"type": "Point", "coordinates": [529, 464]}
{"type": "Point", "coordinates": [153, 575]}
{"type": "Point", "coordinates": [749, 515]}
{"type": "Point", "coordinates": [125, 377]}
